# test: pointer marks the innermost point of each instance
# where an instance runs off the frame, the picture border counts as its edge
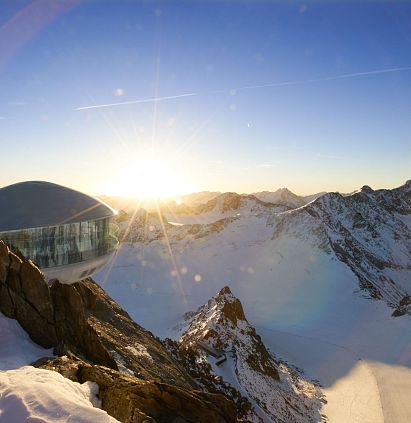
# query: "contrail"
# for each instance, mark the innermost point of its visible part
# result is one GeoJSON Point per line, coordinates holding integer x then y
{"type": "Point", "coordinates": [271, 85]}
{"type": "Point", "coordinates": [144, 100]}
{"type": "Point", "coordinates": [328, 78]}
{"type": "Point", "coordinates": [374, 72]}
{"type": "Point", "coordinates": [252, 87]}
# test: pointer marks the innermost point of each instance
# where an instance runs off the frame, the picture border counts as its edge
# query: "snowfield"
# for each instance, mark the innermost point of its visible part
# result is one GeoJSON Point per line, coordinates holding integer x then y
{"type": "Point", "coordinates": [304, 304]}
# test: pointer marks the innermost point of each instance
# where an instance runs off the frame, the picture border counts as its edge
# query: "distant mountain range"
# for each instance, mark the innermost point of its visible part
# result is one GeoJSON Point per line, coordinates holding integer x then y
{"type": "Point", "coordinates": [368, 230]}
{"type": "Point", "coordinates": [191, 203]}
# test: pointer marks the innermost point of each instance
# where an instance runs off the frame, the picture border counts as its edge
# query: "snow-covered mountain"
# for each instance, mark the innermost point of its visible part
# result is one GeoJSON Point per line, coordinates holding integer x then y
{"type": "Point", "coordinates": [317, 282]}
{"type": "Point", "coordinates": [196, 198]}
{"type": "Point", "coordinates": [369, 231]}
{"type": "Point", "coordinates": [282, 196]}
{"type": "Point", "coordinates": [227, 350]}
{"type": "Point", "coordinates": [227, 205]}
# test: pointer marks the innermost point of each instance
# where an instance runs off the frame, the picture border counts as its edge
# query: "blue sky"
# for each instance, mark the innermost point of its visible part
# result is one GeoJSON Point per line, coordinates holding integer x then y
{"type": "Point", "coordinates": [237, 130]}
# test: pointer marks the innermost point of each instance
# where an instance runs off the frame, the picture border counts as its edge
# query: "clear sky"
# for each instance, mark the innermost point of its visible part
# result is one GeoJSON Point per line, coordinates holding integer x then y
{"type": "Point", "coordinates": [264, 94]}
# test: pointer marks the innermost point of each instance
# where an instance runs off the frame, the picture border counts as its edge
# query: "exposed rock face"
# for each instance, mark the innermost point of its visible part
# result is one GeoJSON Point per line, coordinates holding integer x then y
{"type": "Point", "coordinates": [25, 296]}
{"type": "Point", "coordinates": [145, 382]}
{"type": "Point", "coordinates": [131, 400]}
{"type": "Point", "coordinates": [371, 232]}
{"type": "Point", "coordinates": [81, 318]}
{"type": "Point", "coordinates": [268, 386]}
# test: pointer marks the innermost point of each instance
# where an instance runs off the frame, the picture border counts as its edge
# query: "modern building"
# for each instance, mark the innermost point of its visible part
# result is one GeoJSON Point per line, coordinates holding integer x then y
{"type": "Point", "coordinates": [64, 232]}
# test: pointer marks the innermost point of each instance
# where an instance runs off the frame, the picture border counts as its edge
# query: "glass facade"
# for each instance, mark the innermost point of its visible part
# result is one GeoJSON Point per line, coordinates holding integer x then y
{"type": "Point", "coordinates": [63, 244]}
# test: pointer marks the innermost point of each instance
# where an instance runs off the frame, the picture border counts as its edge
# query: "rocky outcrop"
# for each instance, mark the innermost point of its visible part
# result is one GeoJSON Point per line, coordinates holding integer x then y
{"type": "Point", "coordinates": [139, 379]}
{"type": "Point", "coordinates": [261, 385]}
{"type": "Point", "coordinates": [81, 318]}
{"type": "Point", "coordinates": [131, 400]}
{"type": "Point", "coordinates": [25, 296]}
{"type": "Point", "coordinates": [221, 323]}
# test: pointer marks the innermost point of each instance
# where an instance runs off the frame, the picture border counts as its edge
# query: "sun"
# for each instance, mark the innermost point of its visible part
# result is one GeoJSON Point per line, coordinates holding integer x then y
{"type": "Point", "coordinates": [149, 179]}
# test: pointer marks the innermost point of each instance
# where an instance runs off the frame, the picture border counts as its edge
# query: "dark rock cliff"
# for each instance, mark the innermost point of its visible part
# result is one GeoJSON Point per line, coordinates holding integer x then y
{"type": "Point", "coordinates": [96, 340]}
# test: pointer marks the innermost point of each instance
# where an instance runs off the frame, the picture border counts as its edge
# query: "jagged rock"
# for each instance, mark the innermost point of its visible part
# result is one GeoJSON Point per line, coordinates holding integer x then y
{"type": "Point", "coordinates": [232, 309]}
{"type": "Point", "coordinates": [4, 262]}
{"type": "Point", "coordinates": [361, 229]}
{"type": "Point", "coordinates": [367, 189]}
{"type": "Point", "coordinates": [81, 318]}
{"type": "Point", "coordinates": [221, 323]}
{"type": "Point", "coordinates": [24, 296]}
{"type": "Point", "coordinates": [220, 328]}
{"type": "Point", "coordinates": [131, 400]}
{"type": "Point", "coordinates": [403, 306]}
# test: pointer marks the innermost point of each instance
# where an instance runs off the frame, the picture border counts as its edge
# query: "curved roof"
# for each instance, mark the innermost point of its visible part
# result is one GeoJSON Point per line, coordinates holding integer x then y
{"type": "Point", "coordinates": [35, 203]}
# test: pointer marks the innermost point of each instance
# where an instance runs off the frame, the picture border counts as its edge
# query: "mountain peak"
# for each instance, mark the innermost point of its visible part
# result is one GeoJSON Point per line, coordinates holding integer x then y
{"type": "Point", "coordinates": [366, 189]}
{"type": "Point", "coordinates": [231, 307]}
{"type": "Point", "coordinates": [223, 342]}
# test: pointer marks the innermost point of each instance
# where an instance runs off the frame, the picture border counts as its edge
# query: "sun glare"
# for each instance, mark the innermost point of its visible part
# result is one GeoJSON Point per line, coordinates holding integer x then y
{"type": "Point", "coordinates": [149, 179]}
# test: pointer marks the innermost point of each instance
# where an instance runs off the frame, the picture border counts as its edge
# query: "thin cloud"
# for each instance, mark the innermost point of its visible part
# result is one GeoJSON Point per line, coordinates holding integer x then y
{"type": "Point", "coordinates": [233, 91]}
{"type": "Point", "coordinates": [329, 156]}
{"type": "Point", "coordinates": [342, 158]}
{"type": "Point", "coordinates": [264, 165]}
{"type": "Point", "coordinates": [4, 118]}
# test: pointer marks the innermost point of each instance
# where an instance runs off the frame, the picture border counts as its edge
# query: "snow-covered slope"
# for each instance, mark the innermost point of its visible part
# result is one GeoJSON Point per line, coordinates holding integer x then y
{"type": "Point", "coordinates": [28, 394]}
{"type": "Point", "coordinates": [33, 395]}
{"type": "Point", "coordinates": [368, 230]}
{"type": "Point", "coordinates": [312, 197]}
